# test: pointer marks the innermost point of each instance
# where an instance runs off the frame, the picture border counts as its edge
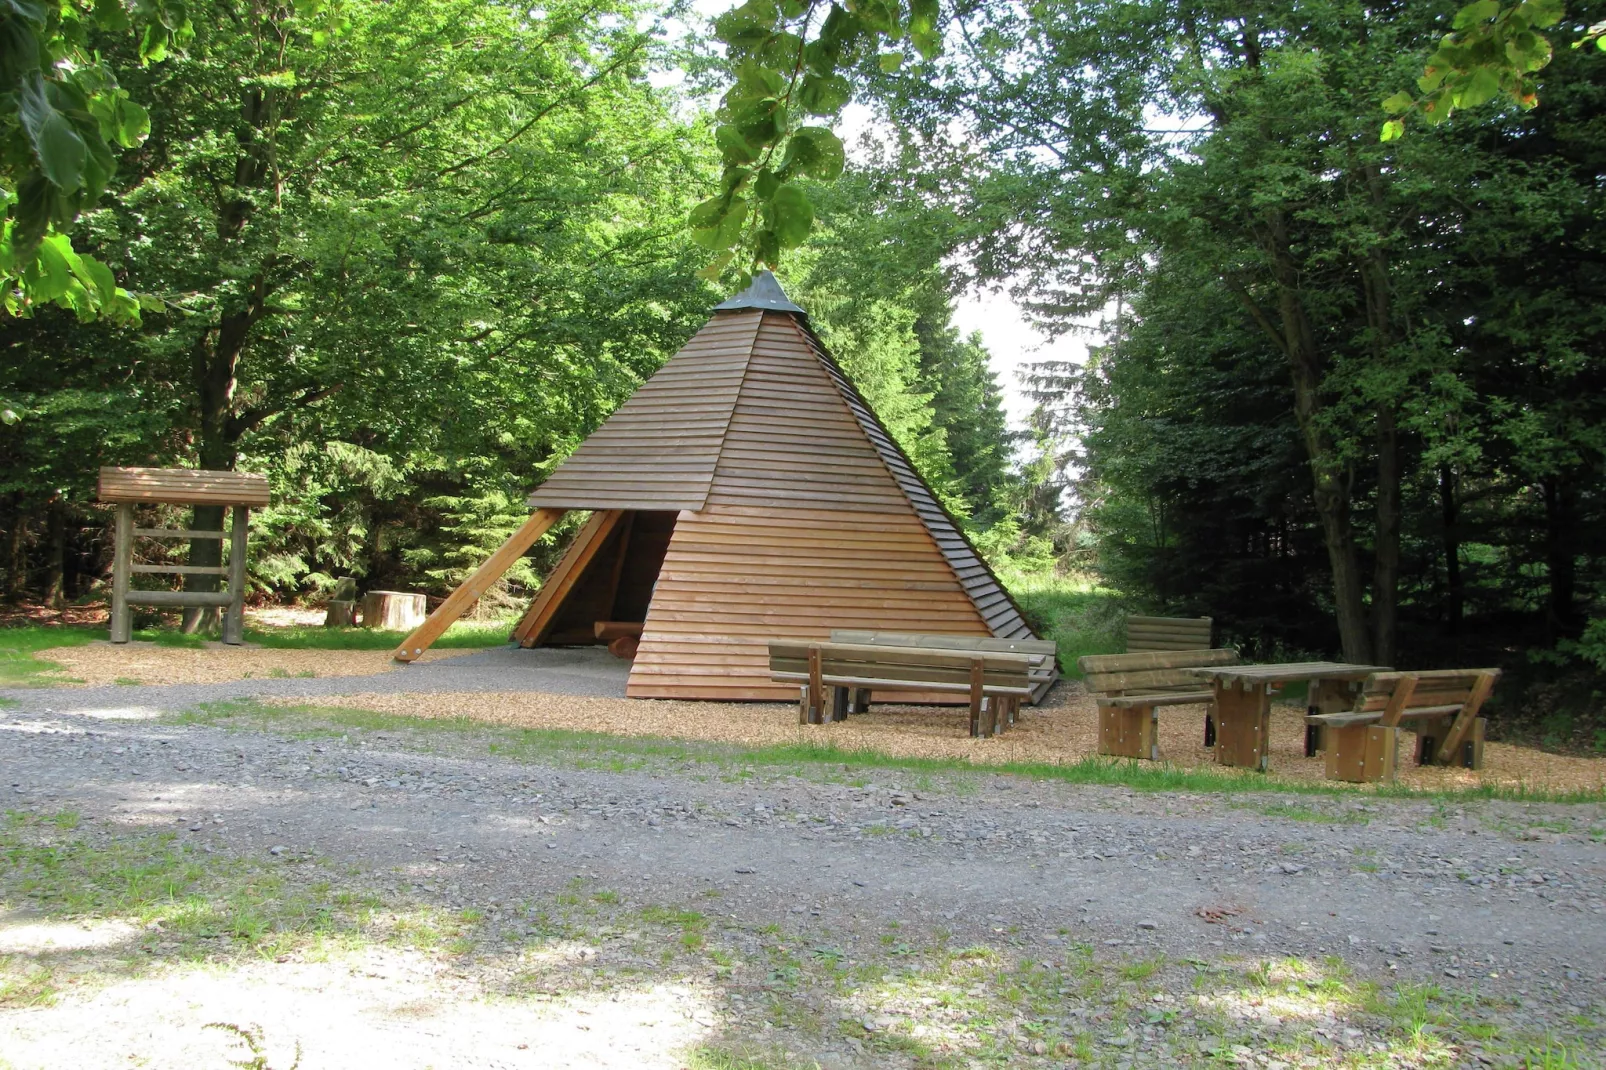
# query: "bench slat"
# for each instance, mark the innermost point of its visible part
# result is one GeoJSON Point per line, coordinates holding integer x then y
{"type": "Point", "coordinates": [1168, 698]}
{"type": "Point", "coordinates": [882, 684]}
{"type": "Point", "coordinates": [1160, 659]}
{"type": "Point", "coordinates": [1349, 717]}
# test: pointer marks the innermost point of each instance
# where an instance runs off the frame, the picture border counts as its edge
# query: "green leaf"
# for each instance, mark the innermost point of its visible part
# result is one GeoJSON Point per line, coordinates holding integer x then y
{"type": "Point", "coordinates": [765, 185]}
{"type": "Point", "coordinates": [1479, 11]}
{"type": "Point", "coordinates": [1392, 129]}
{"type": "Point", "coordinates": [1399, 104]}
{"type": "Point", "coordinates": [824, 95]}
{"type": "Point", "coordinates": [816, 151]}
{"type": "Point", "coordinates": [133, 123]}
{"type": "Point", "coordinates": [735, 148]}
{"type": "Point", "coordinates": [889, 62]}
{"type": "Point", "coordinates": [923, 30]}
{"type": "Point", "coordinates": [792, 216]}
{"type": "Point", "coordinates": [60, 150]}
{"type": "Point", "coordinates": [1480, 88]}
{"type": "Point", "coordinates": [707, 214]}
{"type": "Point", "coordinates": [1543, 13]}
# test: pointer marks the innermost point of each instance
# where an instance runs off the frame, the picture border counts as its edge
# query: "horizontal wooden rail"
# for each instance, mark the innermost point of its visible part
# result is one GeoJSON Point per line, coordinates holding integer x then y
{"type": "Point", "coordinates": [183, 570]}
{"type": "Point", "coordinates": [179, 598]}
{"type": "Point", "coordinates": [179, 533]}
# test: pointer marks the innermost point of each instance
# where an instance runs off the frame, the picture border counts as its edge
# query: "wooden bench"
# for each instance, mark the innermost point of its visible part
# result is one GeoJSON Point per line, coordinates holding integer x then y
{"type": "Point", "coordinates": [1045, 665]}
{"type": "Point", "coordinates": [1147, 634]}
{"type": "Point", "coordinates": [995, 681]}
{"type": "Point", "coordinates": [1130, 689]}
{"type": "Point", "coordinates": [1441, 706]}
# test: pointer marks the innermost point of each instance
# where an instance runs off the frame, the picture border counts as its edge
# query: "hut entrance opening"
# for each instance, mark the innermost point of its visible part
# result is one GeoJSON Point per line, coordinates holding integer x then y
{"type": "Point", "coordinates": [600, 590]}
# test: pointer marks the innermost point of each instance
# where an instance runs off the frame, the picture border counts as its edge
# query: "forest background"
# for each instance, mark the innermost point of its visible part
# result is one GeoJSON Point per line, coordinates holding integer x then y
{"type": "Point", "coordinates": [1349, 396]}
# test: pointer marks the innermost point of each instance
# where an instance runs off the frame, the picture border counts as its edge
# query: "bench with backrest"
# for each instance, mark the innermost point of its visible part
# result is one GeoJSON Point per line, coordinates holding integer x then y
{"type": "Point", "coordinates": [1130, 689]}
{"type": "Point", "coordinates": [1045, 666]}
{"type": "Point", "coordinates": [994, 681]}
{"type": "Point", "coordinates": [1146, 634]}
{"type": "Point", "coordinates": [1441, 706]}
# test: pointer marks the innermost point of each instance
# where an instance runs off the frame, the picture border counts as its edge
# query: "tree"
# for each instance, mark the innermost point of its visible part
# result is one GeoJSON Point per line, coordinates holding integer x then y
{"type": "Point", "coordinates": [408, 265]}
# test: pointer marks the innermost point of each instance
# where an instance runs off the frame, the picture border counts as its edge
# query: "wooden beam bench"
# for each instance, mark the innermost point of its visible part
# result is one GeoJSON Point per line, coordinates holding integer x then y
{"type": "Point", "coordinates": [1149, 634]}
{"type": "Point", "coordinates": [1131, 688]}
{"type": "Point", "coordinates": [994, 681]}
{"type": "Point", "coordinates": [1441, 706]}
{"type": "Point", "coordinates": [1043, 652]}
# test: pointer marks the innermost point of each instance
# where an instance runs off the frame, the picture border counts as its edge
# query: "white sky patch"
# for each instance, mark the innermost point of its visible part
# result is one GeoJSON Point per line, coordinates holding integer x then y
{"type": "Point", "coordinates": [1013, 342]}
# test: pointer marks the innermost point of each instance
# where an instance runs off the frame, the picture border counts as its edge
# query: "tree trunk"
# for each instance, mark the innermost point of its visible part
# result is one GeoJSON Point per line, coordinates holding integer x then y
{"type": "Point", "coordinates": [1386, 555]}
{"type": "Point", "coordinates": [1561, 560]}
{"type": "Point", "coordinates": [1332, 480]}
{"type": "Point", "coordinates": [56, 554]}
{"type": "Point", "coordinates": [1374, 271]}
{"type": "Point", "coordinates": [1455, 586]}
{"type": "Point", "coordinates": [17, 557]}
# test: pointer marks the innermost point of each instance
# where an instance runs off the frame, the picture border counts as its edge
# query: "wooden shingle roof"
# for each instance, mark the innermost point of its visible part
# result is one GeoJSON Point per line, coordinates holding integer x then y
{"type": "Point", "coordinates": [754, 412]}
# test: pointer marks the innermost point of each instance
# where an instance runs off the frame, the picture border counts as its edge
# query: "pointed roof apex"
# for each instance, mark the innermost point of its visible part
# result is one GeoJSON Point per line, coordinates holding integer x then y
{"type": "Point", "coordinates": [765, 292]}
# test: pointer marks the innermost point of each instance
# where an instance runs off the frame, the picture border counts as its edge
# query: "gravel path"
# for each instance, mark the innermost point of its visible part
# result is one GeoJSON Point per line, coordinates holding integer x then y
{"type": "Point", "coordinates": [1497, 901]}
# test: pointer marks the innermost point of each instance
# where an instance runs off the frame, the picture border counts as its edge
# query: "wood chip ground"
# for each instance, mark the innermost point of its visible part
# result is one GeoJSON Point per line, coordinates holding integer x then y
{"type": "Point", "coordinates": [1062, 731]}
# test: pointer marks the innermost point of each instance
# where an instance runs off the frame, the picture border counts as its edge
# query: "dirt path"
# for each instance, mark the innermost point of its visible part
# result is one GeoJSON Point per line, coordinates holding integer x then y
{"type": "Point", "coordinates": [687, 907]}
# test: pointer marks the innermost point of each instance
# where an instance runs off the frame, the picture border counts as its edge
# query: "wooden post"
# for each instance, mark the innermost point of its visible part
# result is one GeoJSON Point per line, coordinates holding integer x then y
{"type": "Point", "coordinates": [816, 701]}
{"type": "Point", "coordinates": [839, 704]}
{"type": "Point", "coordinates": [976, 681]}
{"type": "Point", "coordinates": [466, 595]}
{"type": "Point", "coordinates": [122, 566]}
{"type": "Point", "coordinates": [234, 615]}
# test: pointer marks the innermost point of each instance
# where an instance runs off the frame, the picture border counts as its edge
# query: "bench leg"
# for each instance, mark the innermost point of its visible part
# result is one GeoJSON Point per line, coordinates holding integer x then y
{"type": "Point", "coordinates": [860, 703]}
{"type": "Point", "coordinates": [1313, 739]}
{"type": "Point", "coordinates": [1472, 749]}
{"type": "Point", "coordinates": [1362, 754]}
{"type": "Point", "coordinates": [1125, 733]}
{"type": "Point", "coordinates": [1210, 730]}
{"type": "Point", "coordinates": [1149, 734]}
{"type": "Point", "coordinates": [839, 704]}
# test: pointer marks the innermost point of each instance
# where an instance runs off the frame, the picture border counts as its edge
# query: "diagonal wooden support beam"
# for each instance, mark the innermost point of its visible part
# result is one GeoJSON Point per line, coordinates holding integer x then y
{"type": "Point", "coordinates": [476, 585]}
{"type": "Point", "coordinates": [1466, 718]}
{"type": "Point", "coordinates": [537, 621]}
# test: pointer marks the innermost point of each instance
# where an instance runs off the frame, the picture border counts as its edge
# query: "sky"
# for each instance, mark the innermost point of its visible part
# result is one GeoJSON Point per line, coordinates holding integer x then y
{"type": "Point", "coordinates": [1006, 331]}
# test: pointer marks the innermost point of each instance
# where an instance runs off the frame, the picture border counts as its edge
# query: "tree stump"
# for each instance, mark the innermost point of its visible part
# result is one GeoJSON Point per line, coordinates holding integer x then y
{"type": "Point", "coordinates": [393, 611]}
{"type": "Point", "coordinates": [340, 614]}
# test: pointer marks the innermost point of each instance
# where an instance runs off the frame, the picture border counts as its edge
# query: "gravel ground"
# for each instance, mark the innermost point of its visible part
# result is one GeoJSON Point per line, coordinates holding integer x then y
{"type": "Point", "coordinates": [583, 689]}
{"type": "Point", "coordinates": [632, 907]}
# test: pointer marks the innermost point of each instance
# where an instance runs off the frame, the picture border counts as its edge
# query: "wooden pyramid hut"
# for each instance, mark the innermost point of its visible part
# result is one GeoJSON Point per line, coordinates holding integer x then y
{"type": "Point", "coordinates": [745, 492]}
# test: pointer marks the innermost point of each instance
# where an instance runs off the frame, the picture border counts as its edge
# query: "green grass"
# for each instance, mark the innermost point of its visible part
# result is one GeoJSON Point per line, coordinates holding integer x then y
{"type": "Point", "coordinates": [1081, 619]}
{"type": "Point", "coordinates": [824, 761]}
{"type": "Point", "coordinates": [20, 665]}
{"type": "Point", "coordinates": [464, 635]}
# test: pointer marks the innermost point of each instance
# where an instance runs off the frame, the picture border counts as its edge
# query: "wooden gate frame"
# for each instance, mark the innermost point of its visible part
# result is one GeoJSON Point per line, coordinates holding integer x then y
{"type": "Point", "coordinates": [128, 487]}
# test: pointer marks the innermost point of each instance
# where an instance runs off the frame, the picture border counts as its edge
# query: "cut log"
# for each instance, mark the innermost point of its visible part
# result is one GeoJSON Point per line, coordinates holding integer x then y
{"type": "Point", "coordinates": [392, 611]}
{"type": "Point", "coordinates": [624, 646]}
{"type": "Point", "coordinates": [342, 613]}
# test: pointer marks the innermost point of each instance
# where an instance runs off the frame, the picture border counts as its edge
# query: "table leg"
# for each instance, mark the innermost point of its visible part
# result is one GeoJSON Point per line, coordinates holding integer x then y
{"type": "Point", "coordinates": [1325, 696]}
{"type": "Point", "coordinates": [1243, 725]}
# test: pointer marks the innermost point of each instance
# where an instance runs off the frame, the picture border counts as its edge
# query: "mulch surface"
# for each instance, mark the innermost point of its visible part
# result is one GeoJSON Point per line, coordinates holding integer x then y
{"type": "Point", "coordinates": [1062, 731]}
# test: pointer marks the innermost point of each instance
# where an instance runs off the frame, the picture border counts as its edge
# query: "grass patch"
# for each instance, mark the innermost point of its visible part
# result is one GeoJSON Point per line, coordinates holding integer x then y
{"type": "Point", "coordinates": [463, 635]}
{"type": "Point", "coordinates": [20, 665]}
{"type": "Point", "coordinates": [174, 902]}
{"type": "Point", "coordinates": [824, 761]}
{"type": "Point", "coordinates": [1081, 619]}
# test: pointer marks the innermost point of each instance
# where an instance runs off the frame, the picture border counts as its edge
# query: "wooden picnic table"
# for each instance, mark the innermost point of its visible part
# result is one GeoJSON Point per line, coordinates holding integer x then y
{"type": "Point", "coordinates": [1243, 701]}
